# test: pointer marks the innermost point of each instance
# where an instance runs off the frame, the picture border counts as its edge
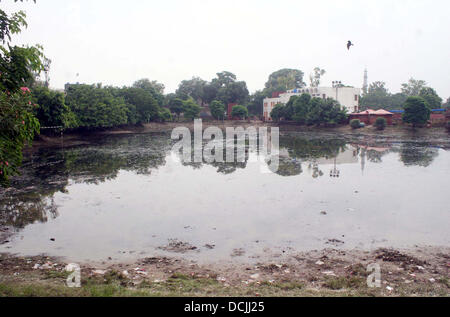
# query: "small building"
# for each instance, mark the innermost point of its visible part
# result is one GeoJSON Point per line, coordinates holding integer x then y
{"type": "Point", "coordinates": [369, 116]}
{"type": "Point", "coordinates": [348, 97]}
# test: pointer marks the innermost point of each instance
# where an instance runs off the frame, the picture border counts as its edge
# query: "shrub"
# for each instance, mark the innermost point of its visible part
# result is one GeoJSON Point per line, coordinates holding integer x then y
{"type": "Point", "coordinates": [277, 112]}
{"type": "Point", "coordinates": [165, 115]}
{"type": "Point", "coordinates": [217, 109]}
{"type": "Point", "coordinates": [417, 112]}
{"type": "Point", "coordinates": [380, 123]}
{"type": "Point", "coordinates": [239, 111]}
{"type": "Point", "coordinates": [355, 124]}
{"type": "Point", "coordinates": [191, 109]}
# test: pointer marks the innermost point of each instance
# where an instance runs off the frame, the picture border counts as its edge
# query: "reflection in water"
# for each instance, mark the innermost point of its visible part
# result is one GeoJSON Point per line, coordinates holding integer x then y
{"type": "Point", "coordinates": [33, 197]}
{"type": "Point", "coordinates": [20, 211]}
{"type": "Point", "coordinates": [421, 155]}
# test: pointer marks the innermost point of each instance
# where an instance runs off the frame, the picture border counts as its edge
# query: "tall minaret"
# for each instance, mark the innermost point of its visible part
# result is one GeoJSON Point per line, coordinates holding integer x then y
{"type": "Point", "coordinates": [365, 84]}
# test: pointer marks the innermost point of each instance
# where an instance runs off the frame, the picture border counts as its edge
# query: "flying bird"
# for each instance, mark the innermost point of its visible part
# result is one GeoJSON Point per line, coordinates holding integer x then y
{"type": "Point", "coordinates": [349, 43]}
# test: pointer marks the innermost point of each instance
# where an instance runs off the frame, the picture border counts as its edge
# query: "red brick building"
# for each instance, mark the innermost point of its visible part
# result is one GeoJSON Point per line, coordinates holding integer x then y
{"type": "Point", "coordinates": [369, 116]}
{"type": "Point", "coordinates": [230, 109]}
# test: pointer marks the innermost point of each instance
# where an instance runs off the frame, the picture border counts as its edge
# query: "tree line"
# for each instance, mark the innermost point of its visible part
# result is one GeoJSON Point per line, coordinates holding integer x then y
{"type": "Point", "coordinates": [378, 96]}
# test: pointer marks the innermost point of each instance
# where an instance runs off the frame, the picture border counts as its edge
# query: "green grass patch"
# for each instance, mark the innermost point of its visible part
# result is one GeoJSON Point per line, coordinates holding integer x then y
{"type": "Point", "coordinates": [342, 282]}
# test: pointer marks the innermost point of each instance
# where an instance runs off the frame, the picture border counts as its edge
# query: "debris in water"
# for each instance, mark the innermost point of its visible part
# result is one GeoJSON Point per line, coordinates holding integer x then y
{"type": "Point", "coordinates": [178, 246]}
{"type": "Point", "coordinates": [238, 252]}
{"type": "Point", "coordinates": [334, 242]}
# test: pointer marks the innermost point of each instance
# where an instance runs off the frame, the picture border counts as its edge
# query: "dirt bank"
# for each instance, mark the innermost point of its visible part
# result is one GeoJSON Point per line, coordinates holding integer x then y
{"type": "Point", "coordinates": [329, 272]}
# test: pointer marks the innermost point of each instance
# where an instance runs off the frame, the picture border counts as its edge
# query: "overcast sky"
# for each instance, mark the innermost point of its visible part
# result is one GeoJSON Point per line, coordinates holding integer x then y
{"type": "Point", "coordinates": [118, 42]}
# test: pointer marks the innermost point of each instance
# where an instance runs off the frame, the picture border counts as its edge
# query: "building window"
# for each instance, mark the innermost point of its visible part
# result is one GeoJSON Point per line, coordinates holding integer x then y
{"type": "Point", "coordinates": [356, 97]}
{"type": "Point", "coordinates": [324, 96]}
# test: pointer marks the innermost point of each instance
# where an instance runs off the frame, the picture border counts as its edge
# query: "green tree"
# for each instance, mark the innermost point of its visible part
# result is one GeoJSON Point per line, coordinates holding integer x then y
{"type": "Point", "coordinates": [413, 87]}
{"type": "Point", "coordinates": [210, 92]}
{"type": "Point", "coordinates": [51, 109]}
{"type": "Point", "coordinates": [97, 107]}
{"type": "Point", "coordinates": [277, 112]}
{"type": "Point", "coordinates": [378, 97]}
{"type": "Point", "coordinates": [315, 76]}
{"type": "Point", "coordinates": [289, 110]}
{"type": "Point", "coordinates": [191, 109]}
{"type": "Point", "coordinates": [217, 109]}
{"type": "Point", "coordinates": [378, 88]}
{"type": "Point", "coordinates": [176, 106]}
{"type": "Point", "coordinates": [239, 112]}
{"type": "Point", "coordinates": [148, 85]}
{"type": "Point", "coordinates": [165, 115]}
{"type": "Point", "coordinates": [18, 65]}
{"type": "Point", "coordinates": [284, 79]}
{"type": "Point", "coordinates": [223, 79]}
{"type": "Point", "coordinates": [417, 111]}
{"type": "Point", "coordinates": [380, 123]}
{"type": "Point", "coordinates": [302, 108]}
{"type": "Point", "coordinates": [233, 92]}
{"type": "Point", "coordinates": [153, 87]}
{"type": "Point", "coordinates": [431, 97]}
{"type": "Point", "coordinates": [191, 88]}
{"type": "Point", "coordinates": [255, 104]}
{"type": "Point", "coordinates": [143, 103]}
{"type": "Point", "coordinates": [326, 111]}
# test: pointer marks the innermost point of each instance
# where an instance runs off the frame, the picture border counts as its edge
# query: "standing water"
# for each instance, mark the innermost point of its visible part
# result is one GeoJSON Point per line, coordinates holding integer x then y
{"type": "Point", "coordinates": [130, 196]}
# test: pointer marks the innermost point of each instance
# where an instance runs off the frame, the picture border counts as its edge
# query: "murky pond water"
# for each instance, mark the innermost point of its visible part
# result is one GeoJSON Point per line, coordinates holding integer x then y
{"type": "Point", "coordinates": [129, 196]}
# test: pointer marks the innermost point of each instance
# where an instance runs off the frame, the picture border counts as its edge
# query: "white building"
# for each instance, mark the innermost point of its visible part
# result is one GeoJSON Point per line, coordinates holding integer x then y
{"type": "Point", "coordinates": [348, 97]}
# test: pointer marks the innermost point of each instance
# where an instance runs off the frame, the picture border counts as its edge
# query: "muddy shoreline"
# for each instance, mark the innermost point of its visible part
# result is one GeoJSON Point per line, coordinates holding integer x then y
{"type": "Point", "coordinates": [420, 271]}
